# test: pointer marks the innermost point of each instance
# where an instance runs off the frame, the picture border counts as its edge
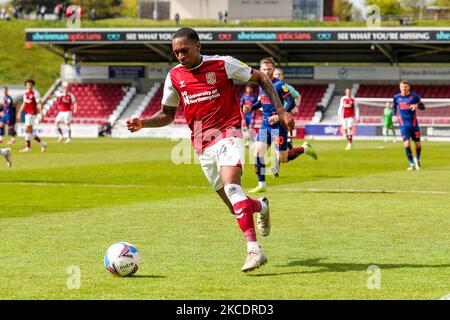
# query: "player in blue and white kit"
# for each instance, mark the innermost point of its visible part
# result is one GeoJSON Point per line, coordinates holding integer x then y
{"type": "Point", "coordinates": [404, 107]}
{"type": "Point", "coordinates": [271, 130]}
{"type": "Point", "coordinates": [248, 99]}
{"type": "Point", "coordinates": [7, 116]}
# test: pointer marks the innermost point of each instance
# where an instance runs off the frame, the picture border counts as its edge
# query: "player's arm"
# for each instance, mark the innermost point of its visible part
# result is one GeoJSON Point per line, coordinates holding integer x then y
{"type": "Point", "coordinates": [74, 103]}
{"type": "Point", "coordinates": [340, 110]}
{"type": "Point", "coordinates": [20, 111]}
{"type": "Point", "coordinates": [165, 116]}
{"type": "Point", "coordinates": [162, 118]}
{"type": "Point", "coordinates": [394, 110]}
{"type": "Point", "coordinates": [257, 105]}
{"type": "Point", "coordinates": [285, 118]}
{"type": "Point", "coordinates": [290, 103]}
{"type": "Point", "coordinates": [356, 112]}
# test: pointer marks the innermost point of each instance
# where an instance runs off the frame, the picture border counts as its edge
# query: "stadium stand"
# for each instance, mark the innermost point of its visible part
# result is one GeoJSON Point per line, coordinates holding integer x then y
{"type": "Point", "coordinates": [97, 102]}
{"type": "Point", "coordinates": [312, 95]}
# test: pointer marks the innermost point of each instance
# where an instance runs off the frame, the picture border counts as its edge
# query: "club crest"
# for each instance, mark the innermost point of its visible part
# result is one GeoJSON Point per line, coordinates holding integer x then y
{"type": "Point", "coordinates": [210, 77]}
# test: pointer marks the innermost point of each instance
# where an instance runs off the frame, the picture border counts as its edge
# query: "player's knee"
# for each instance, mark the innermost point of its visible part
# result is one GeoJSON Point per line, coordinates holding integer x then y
{"type": "Point", "coordinates": [283, 157]}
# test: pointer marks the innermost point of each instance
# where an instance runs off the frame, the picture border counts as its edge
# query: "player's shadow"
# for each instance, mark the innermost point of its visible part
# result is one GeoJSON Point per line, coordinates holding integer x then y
{"type": "Point", "coordinates": [148, 276]}
{"type": "Point", "coordinates": [330, 267]}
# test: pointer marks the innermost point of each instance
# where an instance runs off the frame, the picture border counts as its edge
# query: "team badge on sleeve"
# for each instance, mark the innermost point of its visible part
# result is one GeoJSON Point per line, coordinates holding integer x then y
{"type": "Point", "coordinates": [211, 77]}
{"type": "Point", "coordinates": [285, 89]}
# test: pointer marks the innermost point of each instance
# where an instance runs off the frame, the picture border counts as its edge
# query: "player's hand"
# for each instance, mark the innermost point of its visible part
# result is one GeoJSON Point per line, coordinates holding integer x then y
{"type": "Point", "coordinates": [356, 120]}
{"type": "Point", "coordinates": [287, 121]}
{"type": "Point", "coordinates": [273, 119]}
{"type": "Point", "coordinates": [295, 111]}
{"type": "Point", "coordinates": [134, 124]}
{"type": "Point", "coordinates": [413, 107]}
{"type": "Point", "coordinates": [247, 108]}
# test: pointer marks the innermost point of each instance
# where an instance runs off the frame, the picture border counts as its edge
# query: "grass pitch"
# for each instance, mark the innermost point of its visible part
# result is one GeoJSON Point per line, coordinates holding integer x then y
{"type": "Point", "coordinates": [331, 220]}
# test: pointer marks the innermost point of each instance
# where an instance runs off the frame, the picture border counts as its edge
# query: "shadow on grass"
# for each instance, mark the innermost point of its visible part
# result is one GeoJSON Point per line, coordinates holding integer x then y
{"type": "Point", "coordinates": [324, 267]}
{"type": "Point", "coordinates": [148, 276]}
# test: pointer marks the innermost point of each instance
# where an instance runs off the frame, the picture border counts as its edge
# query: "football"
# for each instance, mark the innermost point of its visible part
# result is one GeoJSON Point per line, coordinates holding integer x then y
{"type": "Point", "coordinates": [122, 259]}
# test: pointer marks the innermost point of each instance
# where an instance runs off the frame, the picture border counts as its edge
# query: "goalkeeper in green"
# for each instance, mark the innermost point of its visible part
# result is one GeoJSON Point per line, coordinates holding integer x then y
{"type": "Point", "coordinates": [388, 123]}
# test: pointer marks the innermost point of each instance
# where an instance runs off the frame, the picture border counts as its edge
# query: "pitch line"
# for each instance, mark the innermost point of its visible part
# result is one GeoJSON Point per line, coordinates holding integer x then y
{"type": "Point", "coordinates": [316, 190]}
{"type": "Point", "coordinates": [275, 188]}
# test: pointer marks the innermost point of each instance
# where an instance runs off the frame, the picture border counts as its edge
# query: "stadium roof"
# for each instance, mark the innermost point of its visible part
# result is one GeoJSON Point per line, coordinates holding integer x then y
{"type": "Point", "coordinates": [363, 45]}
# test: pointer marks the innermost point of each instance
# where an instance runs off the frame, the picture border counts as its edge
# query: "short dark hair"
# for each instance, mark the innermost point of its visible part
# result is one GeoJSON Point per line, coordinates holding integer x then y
{"type": "Point", "coordinates": [30, 81]}
{"type": "Point", "coordinates": [189, 33]}
{"type": "Point", "coordinates": [268, 60]}
{"type": "Point", "coordinates": [404, 82]}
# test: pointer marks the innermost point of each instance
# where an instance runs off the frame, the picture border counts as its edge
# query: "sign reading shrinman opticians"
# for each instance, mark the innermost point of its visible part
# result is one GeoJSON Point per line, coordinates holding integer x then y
{"type": "Point", "coordinates": [244, 35]}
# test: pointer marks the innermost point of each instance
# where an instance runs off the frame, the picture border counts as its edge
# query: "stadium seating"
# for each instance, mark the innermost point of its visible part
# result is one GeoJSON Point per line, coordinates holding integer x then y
{"type": "Point", "coordinates": [311, 96]}
{"type": "Point", "coordinates": [373, 114]}
{"type": "Point", "coordinates": [96, 102]}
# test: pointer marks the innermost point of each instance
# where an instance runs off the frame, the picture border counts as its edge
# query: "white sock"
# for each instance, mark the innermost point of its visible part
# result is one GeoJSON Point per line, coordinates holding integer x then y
{"type": "Point", "coordinates": [3, 152]}
{"type": "Point", "coordinates": [262, 184]}
{"type": "Point", "coordinates": [234, 193]}
{"type": "Point", "coordinates": [253, 246]}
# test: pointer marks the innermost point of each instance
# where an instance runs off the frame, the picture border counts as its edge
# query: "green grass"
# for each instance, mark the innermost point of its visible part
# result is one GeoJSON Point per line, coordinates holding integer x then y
{"type": "Point", "coordinates": [329, 224]}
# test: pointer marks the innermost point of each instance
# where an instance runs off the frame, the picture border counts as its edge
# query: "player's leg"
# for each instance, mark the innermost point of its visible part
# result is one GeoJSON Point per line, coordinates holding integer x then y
{"type": "Point", "coordinates": [385, 133]}
{"type": "Point", "coordinates": [40, 141]}
{"type": "Point", "coordinates": [58, 121]}
{"type": "Point", "coordinates": [6, 153]}
{"type": "Point", "coordinates": [349, 125]}
{"type": "Point", "coordinates": [260, 163]}
{"type": "Point", "coordinates": [230, 164]}
{"type": "Point", "coordinates": [12, 130]}
{"type": "Point", "coordinates": [418, 146]}
{"type": "Point", "coordinates": [68, 121]}
{"type": "Point", "coordinates": [28, 133]}
{"type": "Point", "coordinates": [392, 129]}
{"type": "Point", "coordinates": [406, 141]}
{"type": "Point", "coordinates": [2, 131]}
{"type": "Point", "coordinates": [251, 134]}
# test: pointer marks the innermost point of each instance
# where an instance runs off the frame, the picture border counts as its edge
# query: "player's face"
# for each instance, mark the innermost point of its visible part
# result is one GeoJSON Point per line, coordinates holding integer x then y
{"type": "Point", "coordinates": [388, 105]}
{"type": "Point", "coordinates": [65, 90]}
{"type": "Point", "coordinates": [267, 69]}
{"type": "Point", "coordinates": [187, 52]}
{"type": "Point", "coordinates": [248, 90]}
{"type": "Point", "coordinates": [5, 92]}
{"type": "Point", "coordinates": [348, 92]}
{"type": "Point", "coordinates": [29, 86]}
{"type": "Point", "coordinates": [278, 74]}
{"type": "Point", "coordinates": [404, 88]}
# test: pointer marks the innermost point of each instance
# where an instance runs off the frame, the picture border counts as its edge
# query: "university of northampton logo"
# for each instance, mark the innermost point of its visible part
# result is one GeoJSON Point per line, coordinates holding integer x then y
{"type": "Point", "coordinates": [210, 77]}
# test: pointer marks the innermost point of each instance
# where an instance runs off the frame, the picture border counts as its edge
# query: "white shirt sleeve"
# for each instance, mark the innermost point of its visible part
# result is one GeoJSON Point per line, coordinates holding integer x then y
{"type": "Point", "coordinates": [356, 109]}
{"type": "Point", "coordinates": [341, 105]}
{"type": "Point", "coordinates": [170, 97]}
{"type": "Point", "coordinates": [237, 70]}
{"type": "Point", "coordinates": [37, 96]}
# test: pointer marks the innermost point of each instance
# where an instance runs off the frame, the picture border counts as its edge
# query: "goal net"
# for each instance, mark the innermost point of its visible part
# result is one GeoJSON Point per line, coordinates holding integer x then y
{"type": "Point", "coordinates": [437, 110]}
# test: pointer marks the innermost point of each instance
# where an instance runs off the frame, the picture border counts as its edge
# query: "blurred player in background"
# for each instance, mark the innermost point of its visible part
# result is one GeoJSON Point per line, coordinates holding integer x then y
{"type": "Point", "coordinates": [8, 117]}
{"type": "Point", "coordinates": [348, 115]}
{"type": "Point", "coordinates": [31, 104]}
{"type": "Point", "coordinates": [204, 86]}
{"type": "Point", "coordinates": [6, 153]}
{"type": "Point", "coordinates": [405, 105]}
{"type": "Point", "coordinates": [278, 73]}
{"type": "Point", "coordinates": [65, 100]}
{"type": "Point", "coordinates": [271, 130]}
{"type": "Point", "coordinates": [388, 114]}
{"type": "Point", "coordinates": [248, 99]}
